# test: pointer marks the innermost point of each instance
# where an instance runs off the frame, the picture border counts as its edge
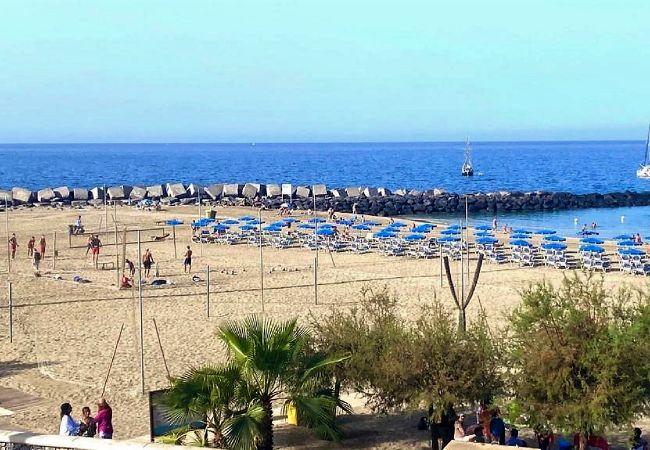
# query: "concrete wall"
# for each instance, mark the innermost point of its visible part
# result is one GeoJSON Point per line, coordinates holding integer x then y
{"type": "Point", "coordinates": [27, 441]}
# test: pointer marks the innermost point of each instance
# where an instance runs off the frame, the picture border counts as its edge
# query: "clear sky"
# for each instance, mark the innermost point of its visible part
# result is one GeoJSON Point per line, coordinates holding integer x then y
{"type": "Point", "coordinates": [323, 70]}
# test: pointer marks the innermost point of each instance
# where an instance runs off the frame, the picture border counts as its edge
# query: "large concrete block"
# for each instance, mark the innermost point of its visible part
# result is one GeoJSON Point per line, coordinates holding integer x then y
{"type": "Point", "coordinates": [415, 193]}
{"type": "Point", "coordinates": [156, 191]}
{"type": "Point", "coordinates": [22, 195]}
{"type": "Point", "coordinates": [138, 193]}
{"type": "Point", "coordinates": [97, 193]}
{"type": "Point", "coordinates": [353, 191]}
{"type": "Point", "coordinates": [176, 190]}
{"type": "Point", "coordinates": [338, 193]}
{"type": "Point", "coordinates": [45, 195]}
{"type": "Point", "coordinates": [116, 193]}
{"type": "Point", "coordinates": [370, 192]}
{"type": "Point", "coordinates": [287, 189]}
{"type": "Point", "coordinates": [273, 190]}
{"type": "Point", "coordinates": [62, 192]}
{"type": "Point", "coordinates": [214, 191]}
{"type": "Point", "coordinates": [251, 190]}
{"type": "Point", "coordinates": [400, 192]}
{"type": "Point", "coordinates": [80, 194]}
{"type": "Point", "coordinates": [194, 189]}
{"type": "Point", "coordinates": [320, 190]}
{"type": "Point", "coordinates": [6, 195]}
{"type": "Point", "coordinates": [232, 190]}
{"type": "Point", "coordinates": [384, 192]}
{"type": "Point", "coordinates": [303, 192]}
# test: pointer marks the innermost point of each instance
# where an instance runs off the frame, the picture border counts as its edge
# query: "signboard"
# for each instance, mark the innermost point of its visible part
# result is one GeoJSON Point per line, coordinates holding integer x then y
{"type": "Point", "coordinates": [159, 425]}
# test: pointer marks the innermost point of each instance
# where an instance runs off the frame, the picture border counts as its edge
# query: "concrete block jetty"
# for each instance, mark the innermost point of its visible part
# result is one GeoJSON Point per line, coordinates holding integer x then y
{"type": "Point", "coordinates": [378, 201]}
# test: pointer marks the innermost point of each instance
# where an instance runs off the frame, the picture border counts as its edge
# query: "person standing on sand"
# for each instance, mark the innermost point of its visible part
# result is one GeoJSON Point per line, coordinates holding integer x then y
{"type": "Point", "coordinates": [147, 262]}
{"type": "Point", "coordinates": [87, 425]}
{"type": "Point", "coordinates": [495, 224]}
{"type": "Point", "coordinates": [187, 263]}
{"type": "Point", "coordinates": [42, 244]}
{"type": "Point", "coordinates": [30, 246]}
{"type": "Point", "coordinates": [89, 244]}
{"type": "Point", "coordinates": [131, 267]}
{"type": "Point", "coordinates": [95, 243]}
{"type": "Point", "coordinates": [36, 260]}
{"type": "Point", "coordinates": [104, 420]}
{"type": "Point", "coordinates": [68, 426]}
{"type": "Point", "coordinates": [13, 244]}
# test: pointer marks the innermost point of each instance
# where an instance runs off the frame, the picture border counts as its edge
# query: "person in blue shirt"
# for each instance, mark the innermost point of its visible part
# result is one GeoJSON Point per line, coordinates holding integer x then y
{"type": "Point", "coordinates": [514, 440]}
{"type": "Point", "coordinates": [498, 428]}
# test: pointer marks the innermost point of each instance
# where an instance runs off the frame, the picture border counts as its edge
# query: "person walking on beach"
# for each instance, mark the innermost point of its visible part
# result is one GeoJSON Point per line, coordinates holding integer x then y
{"type": "Point", "coordinates": [187, 263]}
{"type": "Point", "coordinates": [13, 244]}
{"type": "Point", "coordinates": [147, 262]}
{"type": "Point", "coordinates": [95, 244]}
{"type": "Point", "coordinates": [30, 246]}
{"type": "Point", "coordinates": [68, 426]}
{"type": "Point", "coordinates": [42, 244]}
{"type": "Point", "coordinates": [495, 224]}
{"type": "Point", "coordinates": [87, 425]}
{"type": "Point", "coordinates": [131, 267]}
{"type": "Point", "coordinates": [104, 420]}
{"type": "Point", "coordinates": [89, 244]}
{"type": "Point", "coordinates": [36, 260]}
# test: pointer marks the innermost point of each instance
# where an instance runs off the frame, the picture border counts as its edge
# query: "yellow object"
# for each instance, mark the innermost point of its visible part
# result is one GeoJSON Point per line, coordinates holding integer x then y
{"type": "Point", "coordinates": [292, 414]}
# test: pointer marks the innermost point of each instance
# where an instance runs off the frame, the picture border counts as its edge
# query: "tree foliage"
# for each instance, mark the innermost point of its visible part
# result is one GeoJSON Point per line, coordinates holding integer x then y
{"type": "Point", "coordinates": [579, 355]}
{"type": "Point", "coordinates": [397, 363]}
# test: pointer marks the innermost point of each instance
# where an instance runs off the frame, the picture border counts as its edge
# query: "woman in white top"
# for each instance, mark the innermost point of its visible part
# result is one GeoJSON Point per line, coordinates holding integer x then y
{"type": "Point", "coordinates": [68, 425]}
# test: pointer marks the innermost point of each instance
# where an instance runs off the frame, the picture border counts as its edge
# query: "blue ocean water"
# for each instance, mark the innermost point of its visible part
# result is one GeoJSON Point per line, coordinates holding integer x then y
{"type": "Point", "coordinates": [578, 167]}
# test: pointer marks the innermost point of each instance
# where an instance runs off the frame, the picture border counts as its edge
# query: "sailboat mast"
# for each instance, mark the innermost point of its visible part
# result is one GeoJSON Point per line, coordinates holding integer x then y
{"type": "Point", "coordinates": [647, 147]}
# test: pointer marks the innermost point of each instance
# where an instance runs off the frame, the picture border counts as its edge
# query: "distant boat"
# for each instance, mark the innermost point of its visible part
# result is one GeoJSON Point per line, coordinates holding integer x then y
{"type": "Point", "coordinates": [644, 170]}
{"type": "Point", "coordinates": [467, 170]}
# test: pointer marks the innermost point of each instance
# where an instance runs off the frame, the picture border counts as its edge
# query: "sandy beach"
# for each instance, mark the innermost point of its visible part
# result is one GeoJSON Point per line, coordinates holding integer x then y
{"type": "Point", "coordinates": [64, 332]}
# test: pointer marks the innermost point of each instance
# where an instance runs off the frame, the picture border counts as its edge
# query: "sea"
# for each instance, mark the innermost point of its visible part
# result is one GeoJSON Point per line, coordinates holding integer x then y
{"type": "Point", "coordinates": [570, 166]}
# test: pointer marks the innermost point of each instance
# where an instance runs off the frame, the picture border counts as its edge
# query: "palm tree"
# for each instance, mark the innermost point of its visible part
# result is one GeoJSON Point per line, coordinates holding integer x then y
{"type": "Point", "coordinates": [268, 362]}
{"type": "Point", "coordinates": [276, 362]}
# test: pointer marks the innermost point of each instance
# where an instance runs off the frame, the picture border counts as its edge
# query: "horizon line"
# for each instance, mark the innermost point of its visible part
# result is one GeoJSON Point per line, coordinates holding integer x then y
{"type": "Point", "coordinates": [253, 143]}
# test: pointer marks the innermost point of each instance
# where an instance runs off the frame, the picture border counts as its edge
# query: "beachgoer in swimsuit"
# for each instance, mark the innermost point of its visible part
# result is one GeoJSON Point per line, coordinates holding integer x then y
{"type": "Point", "coordinates": [30, 246]}
{"type": "Point", "coordinates": [494, 223]}
{"type": "Point", "coordinates": [131, 267]}
{"type": "Point", "coordinates": [147, 262]}
{"type": "Point", "coordinates": [13, 244]}
{"type": "Point", "coordinates": [89, 244]}
{"type": "Point", "coordinates": [95, 243]}
{"type": "Point", "coordinates": [42, 244]}
{"type": "Point", "coordinates": [187, 263]}
{"type": "Point", "coordinates": [36, 260]}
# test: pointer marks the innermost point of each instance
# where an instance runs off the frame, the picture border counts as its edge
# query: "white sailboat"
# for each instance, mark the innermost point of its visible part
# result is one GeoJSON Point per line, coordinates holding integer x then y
{"type": "Point", "coordinates": [644, 170]}
{"type": "Point", "coordinates": [467, 170]}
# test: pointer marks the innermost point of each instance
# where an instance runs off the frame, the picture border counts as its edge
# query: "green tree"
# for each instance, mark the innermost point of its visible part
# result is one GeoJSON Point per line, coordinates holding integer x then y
{"type": "Point", "coordinates": [268, 362]}
{"type": "Point", "coordinates": [397, 363]}
{"type": "Point", "coordinates": [579, 355]}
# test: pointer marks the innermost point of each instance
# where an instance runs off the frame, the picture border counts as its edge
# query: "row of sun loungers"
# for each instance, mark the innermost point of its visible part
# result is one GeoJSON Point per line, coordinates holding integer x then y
{"type": "Point", "coordinates": [494, 254]}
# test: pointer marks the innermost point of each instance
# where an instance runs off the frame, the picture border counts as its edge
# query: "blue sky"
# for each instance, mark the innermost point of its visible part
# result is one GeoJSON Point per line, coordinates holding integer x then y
{"type": "Point", "coordinates": [330, 70]}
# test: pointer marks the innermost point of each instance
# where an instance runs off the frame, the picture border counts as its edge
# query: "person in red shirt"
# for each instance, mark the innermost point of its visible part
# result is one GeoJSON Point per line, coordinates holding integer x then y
{"type": "Point", "coordinates": [104, 420]}
{"type": "Point", "coordinates": [592, 441]}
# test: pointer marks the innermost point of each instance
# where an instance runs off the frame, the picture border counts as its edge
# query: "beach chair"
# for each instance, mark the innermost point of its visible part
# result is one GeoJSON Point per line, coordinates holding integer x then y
{"type": "Point", "coordinates": [360, 247]}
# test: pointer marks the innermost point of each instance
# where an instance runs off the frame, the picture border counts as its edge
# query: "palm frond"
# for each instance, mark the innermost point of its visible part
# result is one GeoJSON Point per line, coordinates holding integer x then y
{"type": "Point", "coordinates": [319, 413]}
{"type": "Point", "coordinates": [242, 431]}
{"type": "Point", "coordinates": [320, 361]}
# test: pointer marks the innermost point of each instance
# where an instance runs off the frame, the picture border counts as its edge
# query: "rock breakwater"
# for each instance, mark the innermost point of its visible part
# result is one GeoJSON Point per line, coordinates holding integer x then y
{"type": "Point", "coordinates": [365, 200]}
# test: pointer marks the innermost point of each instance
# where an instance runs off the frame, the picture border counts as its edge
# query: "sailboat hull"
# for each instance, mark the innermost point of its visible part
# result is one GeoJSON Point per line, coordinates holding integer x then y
{"type": "Point", "coordinates": [643, 172]}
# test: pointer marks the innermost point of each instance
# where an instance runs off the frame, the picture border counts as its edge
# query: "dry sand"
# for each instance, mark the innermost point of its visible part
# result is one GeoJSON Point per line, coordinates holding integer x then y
{"type": "Point", "coordinates": [64, 332]}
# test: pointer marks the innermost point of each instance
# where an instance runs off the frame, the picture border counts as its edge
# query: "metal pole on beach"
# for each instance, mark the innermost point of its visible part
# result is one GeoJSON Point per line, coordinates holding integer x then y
{"type": "Point", "coordinates": [198, 200]}
{"type": "Point", "coordinates": [7, 230]}
{"type": "Point", "coordinates": [440, 247]}
{"type": "Point", "coordinates": [141, 314]}
{"type": "Point", "coordinates": [117, 259]}
{"type": "Point", "coordinates": [207, 278]}
{"type": "Point", "coordinates": [174, 238]}
{"type": "Point", "coordinates": [11, 313]}
{"type": "Point", "coordinates": [105, 209]}
{"type": "Point", "coordinates": [261, 263]}
{"type": "Point", "coordinates": [114, 213]}
{"type": "Point", "coordinates": [462, 266]}
{"type": "Point", "coordinates": [119, 336]}
{"type": "Point", "coordinates": [54, 252]}
{"type": "Point", "coordinates": [316, 281]}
